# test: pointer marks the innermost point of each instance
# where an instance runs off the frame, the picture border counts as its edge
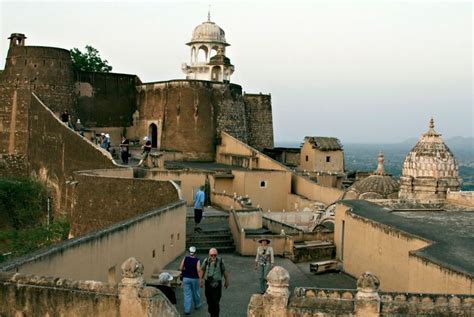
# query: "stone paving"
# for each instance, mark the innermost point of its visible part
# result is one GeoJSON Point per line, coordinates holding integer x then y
{"type": "Point", "coordinates": [244, 280]}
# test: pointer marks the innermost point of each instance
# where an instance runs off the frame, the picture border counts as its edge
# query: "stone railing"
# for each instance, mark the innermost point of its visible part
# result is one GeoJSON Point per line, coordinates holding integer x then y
{"type": "Point", "coordinates": [228, 201]}
{"type": "Point", "coordinates": [32, 295]}
{"type": "Point", "coordinates": [366, 301]}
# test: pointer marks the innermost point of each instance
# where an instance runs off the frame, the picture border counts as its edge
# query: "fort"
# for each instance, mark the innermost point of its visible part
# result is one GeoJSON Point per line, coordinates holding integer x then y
{"type": "Point", "coordinates": [413, 234]}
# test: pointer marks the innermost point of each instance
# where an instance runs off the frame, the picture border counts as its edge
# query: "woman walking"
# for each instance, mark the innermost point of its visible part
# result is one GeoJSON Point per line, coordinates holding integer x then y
{"type": "Point", "coordinates": [192, 276]}
{"type": "Point", "coordinates": [264, 262]}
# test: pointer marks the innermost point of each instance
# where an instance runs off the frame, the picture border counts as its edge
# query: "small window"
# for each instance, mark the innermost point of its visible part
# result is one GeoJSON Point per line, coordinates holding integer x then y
{"type": "Point", "coordinates": [177, 237]}
{"type": "Point", "coordinates": [263, 184]}
{"type": "Point", "coordinates": [328, 159]}
{"type": "Point", "coordinates": [172, 239]}
{"type": "Point", "coordinates": [163, 248]}
{"type": "Point", "coordinates": [153, 253]}
{"type": "Point", "coordinates": [307, 158]}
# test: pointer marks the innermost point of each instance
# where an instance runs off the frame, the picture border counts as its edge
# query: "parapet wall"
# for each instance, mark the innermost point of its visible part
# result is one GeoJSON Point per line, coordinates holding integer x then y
{"type": "Point", "coordinates": [33, 295]}
{"type": "Point", "coordinates": [461, 198]}
{"type": "Point", "coordinates": [155, 238]}
{"type": "Point", "coordinates": [366, 301]}
{"type": "Point", "coordinates": [258, 111]}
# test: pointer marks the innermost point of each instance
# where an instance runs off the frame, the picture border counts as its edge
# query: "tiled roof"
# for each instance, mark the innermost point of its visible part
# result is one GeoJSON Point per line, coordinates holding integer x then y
{"type": "Point", "coordinates": [324, 143]}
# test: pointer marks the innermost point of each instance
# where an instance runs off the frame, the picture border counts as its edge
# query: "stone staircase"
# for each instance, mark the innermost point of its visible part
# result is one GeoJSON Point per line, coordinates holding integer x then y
{"type": "Point", "coordinates": [215, 233]}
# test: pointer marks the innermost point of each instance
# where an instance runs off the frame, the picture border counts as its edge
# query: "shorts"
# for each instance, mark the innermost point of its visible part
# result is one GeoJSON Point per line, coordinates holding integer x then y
{"type": "Point", "coordinates": [197, 215]}
{"type": "Point", "coordinates": [145, 155]}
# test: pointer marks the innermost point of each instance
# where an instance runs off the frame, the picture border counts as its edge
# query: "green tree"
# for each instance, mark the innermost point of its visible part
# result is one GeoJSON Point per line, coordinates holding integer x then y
{"type": "Point", "coordinates": [89, 61]}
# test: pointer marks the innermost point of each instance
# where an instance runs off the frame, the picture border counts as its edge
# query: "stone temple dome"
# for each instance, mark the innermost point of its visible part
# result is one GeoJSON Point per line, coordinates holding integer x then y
{"type": "Point", "coordinates": [208, 32]}
{"type": "Point", "coordinates": [430, 168]}
{"type": "Point", "coordinates": [379, 185]}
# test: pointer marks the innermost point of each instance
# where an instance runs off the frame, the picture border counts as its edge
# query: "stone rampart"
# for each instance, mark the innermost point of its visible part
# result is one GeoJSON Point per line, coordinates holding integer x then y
{"type": "Point", "coordinates": [103, 200]}
{"type": "Point", "coordinates": [33, 295]}
{"type": "Point", "coordinates": [46, 71]}
{"type": "Point", "coordinates": [192, 114]}
{"type": "Point", "coordinates": [55, 152]}
{"type": "Point", "coordinates": [105, 99]}
{"type": "Point", "coordinates": [258, 111]}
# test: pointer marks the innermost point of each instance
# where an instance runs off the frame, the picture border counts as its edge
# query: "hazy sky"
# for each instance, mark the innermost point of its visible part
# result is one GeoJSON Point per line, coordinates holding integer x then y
{"type": "Point", "coordinates": [363, 71]}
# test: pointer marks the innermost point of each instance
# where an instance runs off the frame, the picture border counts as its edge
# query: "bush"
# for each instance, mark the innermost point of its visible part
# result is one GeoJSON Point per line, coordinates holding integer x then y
{"type": "Point", "coordinates": [21, 242]}
{"type": "Point", "coordinates": [22, 202]}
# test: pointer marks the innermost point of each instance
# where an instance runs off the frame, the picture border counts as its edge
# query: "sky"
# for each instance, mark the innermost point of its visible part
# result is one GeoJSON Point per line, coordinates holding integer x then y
{"type": "Point", "coordinates": [362, 71]}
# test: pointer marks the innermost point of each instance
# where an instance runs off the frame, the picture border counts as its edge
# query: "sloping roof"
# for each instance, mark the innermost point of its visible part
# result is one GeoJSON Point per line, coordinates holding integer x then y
{"type": "Point", "coordinates": [324, 143]}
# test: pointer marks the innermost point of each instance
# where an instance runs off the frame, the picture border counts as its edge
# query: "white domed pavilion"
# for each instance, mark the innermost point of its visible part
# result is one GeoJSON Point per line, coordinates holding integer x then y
{"type": "Point", "coordinates": [208, 60]}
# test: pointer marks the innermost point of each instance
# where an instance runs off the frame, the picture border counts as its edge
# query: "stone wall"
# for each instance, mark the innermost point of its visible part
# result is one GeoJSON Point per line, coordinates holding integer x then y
{"type": "Point", "coordinates": [258, 111]}
{"type": "Point", "coordinates": [102, 200]}
{"type": "Point", "coordinates": [366, 301]}
{"type": "Point", "coordinates": [55, 152]}
{"type": "Point", "coordinates": [105, 99]}
{"type": "Point", "coordinates": [190, 114]}
{"type": "Point", "coordinates": [33, 295]}
{"type": "Point", "coordinates": [13, 165]}
{"type": "Point", "coordinates": [461, 198]}
{"type": "Point", "coordinates": [155, 237]}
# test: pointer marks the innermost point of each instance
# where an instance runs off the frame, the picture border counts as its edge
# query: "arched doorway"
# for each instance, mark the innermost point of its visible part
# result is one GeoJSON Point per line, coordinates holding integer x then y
{"type": "Point", "coordinates": [153, 133]}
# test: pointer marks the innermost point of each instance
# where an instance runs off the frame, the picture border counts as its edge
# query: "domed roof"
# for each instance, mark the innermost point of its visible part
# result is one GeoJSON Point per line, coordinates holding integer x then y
{"type": "Point", "coordinates": [376, 186]}
{"type": "Point", "coordinates": [430, 157]}
{"type": "Point", "coordinates": [208, 32]}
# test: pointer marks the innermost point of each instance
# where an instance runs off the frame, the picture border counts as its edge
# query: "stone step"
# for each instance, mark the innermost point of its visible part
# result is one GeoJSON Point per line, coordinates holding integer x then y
{"type": "Point", "coordinates": [213, 244]}
{"type": "Point", "coordinates": [204, 250]}
{"type": "Point", "coordinates": [209, 239]}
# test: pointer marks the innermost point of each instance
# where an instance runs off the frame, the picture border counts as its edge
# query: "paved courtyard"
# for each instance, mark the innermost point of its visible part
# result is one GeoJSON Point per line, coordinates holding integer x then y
{"type": "Point", "coordinates": [244, 282]}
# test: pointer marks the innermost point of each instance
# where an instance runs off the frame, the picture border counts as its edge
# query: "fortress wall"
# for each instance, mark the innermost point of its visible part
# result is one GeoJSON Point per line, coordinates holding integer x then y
{"type": "Point", "coordinates": [192, 113]}
{"type": "Point", "coordinates": [258, 110]}
{"type": "Point", "coordinates": [47, 71]}
{"type": "Point", "coordinates": [105, 99]}
{"type": "Point", "coordinates": [103, 200]}
{"type": "Point", "coordinates": [55, 152]}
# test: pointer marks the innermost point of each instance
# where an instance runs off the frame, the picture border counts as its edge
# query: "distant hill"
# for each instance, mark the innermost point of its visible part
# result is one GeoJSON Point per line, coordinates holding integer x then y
{"type": "Point", "coordinates": [363, 157]}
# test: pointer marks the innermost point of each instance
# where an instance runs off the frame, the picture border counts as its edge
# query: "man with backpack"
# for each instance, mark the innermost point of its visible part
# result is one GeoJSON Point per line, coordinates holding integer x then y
{"type": "Point", "coordinates": [214, 272]}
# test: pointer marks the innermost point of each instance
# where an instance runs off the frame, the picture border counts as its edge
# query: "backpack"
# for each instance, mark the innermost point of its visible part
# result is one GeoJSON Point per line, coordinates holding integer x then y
{"type": "Point", "coordinates": [206, 265]}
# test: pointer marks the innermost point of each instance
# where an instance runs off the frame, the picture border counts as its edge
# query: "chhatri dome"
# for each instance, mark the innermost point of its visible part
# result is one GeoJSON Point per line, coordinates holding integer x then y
{"type": "Point", "coordinates": [430, 169]}
{"type": "Point", "coordinates": [379, 185]}
{"type": "Point", "coordinates": [208, 60]}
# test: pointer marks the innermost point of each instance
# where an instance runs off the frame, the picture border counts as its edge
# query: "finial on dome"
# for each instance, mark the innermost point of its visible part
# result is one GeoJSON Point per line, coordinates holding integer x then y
{"type": "Point", "coordinates": [381, 159]}
{"type": "Point", "coordinates": [209, 14]}
{"type": "Point", "coordinates": [431, 130]}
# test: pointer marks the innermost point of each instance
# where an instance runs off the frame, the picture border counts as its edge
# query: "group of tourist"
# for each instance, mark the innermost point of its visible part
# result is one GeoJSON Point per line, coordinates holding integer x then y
{"type": "Point", "coordinates": [211, 275]}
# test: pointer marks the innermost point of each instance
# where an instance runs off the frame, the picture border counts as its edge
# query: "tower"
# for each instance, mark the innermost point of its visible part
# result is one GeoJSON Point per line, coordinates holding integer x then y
{"type": "Point", "coordinates": [208, 60]}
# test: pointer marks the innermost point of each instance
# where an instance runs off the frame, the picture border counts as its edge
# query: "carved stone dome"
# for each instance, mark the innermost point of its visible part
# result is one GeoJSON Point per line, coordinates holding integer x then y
{"type": "Point", "coordinates": [430, 169]}
{"type": "Point", "coordinates": [208, 32]}
{"type": "Point", "coordinates": [430, 157]}
{"type": "Point", "coordinates": [379, 185]}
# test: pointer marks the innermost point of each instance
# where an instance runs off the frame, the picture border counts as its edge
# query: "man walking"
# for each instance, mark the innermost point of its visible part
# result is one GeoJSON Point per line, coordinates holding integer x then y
{"type": "Point", "coordinates": [213, 271]}
{"type": "Point", "coordinates": [198, 208]}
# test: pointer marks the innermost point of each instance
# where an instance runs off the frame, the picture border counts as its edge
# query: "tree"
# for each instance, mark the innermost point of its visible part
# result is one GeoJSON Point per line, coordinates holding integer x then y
{"type": "Point", "coordinates": [89, 60]}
